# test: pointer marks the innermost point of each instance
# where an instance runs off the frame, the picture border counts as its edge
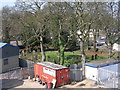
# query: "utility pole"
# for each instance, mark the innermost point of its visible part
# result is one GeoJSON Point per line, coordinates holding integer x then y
{"type": "Point", "coordinates": [119, 18]}
{"type": "Point", "coordinates": [119, 15]}
{"type": "Point", "coordinates": [1, 35]}
{"type": "Point", "coordinates": [118, 27]}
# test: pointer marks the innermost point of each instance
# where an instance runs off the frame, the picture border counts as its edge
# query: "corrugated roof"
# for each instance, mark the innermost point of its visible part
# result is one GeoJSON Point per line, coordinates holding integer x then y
{"type": "Point", "coordinates": [4, 44]}
{"type": "Point", "coordinates": [52, 65]}
{"type": "Point", "coordinates": [102, 63]}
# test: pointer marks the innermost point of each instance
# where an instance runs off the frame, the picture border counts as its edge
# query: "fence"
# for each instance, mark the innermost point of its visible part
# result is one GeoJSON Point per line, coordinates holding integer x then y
{"type": "Point", "coordinates": [109, 78]}
{"type": "Point", "coordinates": [75, 72]}
{"type": "Point", "coordinates": [75, 75]}
{"type": "Point", "coordinates": [25, 63]}
{"type": "Point", "coordinates": [19, 74]}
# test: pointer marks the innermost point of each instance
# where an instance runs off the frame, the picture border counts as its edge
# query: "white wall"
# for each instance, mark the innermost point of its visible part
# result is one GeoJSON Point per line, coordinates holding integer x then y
{"type": "Point", "coordinates": [91, 73]}
{"type": "Point", "coordinates": [116, 47]}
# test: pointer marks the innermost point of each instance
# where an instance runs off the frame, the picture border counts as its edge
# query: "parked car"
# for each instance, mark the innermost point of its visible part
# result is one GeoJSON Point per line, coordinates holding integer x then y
{"type": "Point", "coordinates": [99, 44]}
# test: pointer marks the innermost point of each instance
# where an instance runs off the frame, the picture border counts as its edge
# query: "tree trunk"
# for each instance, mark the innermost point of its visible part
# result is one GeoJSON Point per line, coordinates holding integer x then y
{"type": "Point", "coordinates": [58, 56]}
{"type": "Point", "coordinates": [94, 44]}
{"type": "Point", "coordinates": [16, 42]}
{"type": "Point", "coordinates": [61, 51]}
{"type": "Point", "coordinates": [88, 42]}
{"type": "Point", "coordinates": [42, 50]}
{"type": "Point", "coordinates": [61, 46]}
{"type": "Point", "coordinates": [6, 35]}
{"type": "Point", "coordinates": [110, 50]}
{"type": "Point", "coordinates": [83, 57]}
{"type": "Point", "coordinates": [61, 55]}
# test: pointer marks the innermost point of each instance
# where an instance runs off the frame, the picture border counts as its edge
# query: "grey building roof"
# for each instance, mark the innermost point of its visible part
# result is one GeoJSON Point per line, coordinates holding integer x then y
{"type": "Point", "coordinates": [4, 44]}
{"type": "Point", "coordinates": [8, 50]}
{"type": "Point", "coordinates": [52, 65]}
{"type": "Point", "coordinates": [102, 63]}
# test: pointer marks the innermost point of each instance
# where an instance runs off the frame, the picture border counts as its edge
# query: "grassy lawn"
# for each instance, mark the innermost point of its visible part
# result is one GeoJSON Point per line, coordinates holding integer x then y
{"type": "Point", "coordinates": [71, 57]}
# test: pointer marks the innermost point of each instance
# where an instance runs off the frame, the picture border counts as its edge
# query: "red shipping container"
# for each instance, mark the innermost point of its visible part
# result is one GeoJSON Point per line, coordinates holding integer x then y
{"type": "Point", "coordinates": [50, 72]}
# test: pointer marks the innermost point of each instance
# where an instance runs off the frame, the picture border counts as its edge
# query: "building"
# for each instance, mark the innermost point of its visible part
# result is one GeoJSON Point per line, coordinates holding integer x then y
{"type": "Point", "coordinates": [102, 41]}
{"type": "Point", "coordinates": [50, 72]}
{"type": "Point", "coordinates": [105, 72]}
{"type": "Point", "coordinates": [116, 47]}
{"type": "Point", "coordinates": [92, 69]}
{"type": "Point", "coordinates": [15, 43]}
{"type": "Point", "coordinates": [9, 57]}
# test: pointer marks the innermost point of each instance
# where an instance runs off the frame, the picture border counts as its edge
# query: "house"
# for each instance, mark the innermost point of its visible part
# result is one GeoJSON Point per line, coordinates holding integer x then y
{"type": "Point", "coordinates": [101, 70]}
{"type": "Point", "coordinates": [116, 47]}
{"type": "Point", "coordinates": [9, 57]}
{"type": "Point", "coordinates": [102, 41]}
{"type": "Point", "coordinates": [15, 43]}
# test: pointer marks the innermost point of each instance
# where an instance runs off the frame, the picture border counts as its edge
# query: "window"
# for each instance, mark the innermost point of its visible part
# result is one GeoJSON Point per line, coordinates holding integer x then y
{"type": "Point", "coordinates": [5, 62]}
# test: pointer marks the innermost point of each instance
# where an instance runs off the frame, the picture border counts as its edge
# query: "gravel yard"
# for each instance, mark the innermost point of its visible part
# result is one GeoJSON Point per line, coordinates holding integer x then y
{"type": "Point", "coordinates": [34, 84]}
{"type": "Point", "coordinates": [83, 84]}
{"type": "Point", "coordinates": [30, 84]}
{"type": "Point", "coordinates": [21, 84]}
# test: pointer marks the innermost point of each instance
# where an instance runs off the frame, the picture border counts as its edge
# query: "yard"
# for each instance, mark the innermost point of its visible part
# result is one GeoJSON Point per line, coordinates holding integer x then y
{"type": "Point", "coordinates": [83, 84]}
{"type": "Point", "coordinates": [30, 84]}
{"type": "Point", "coordinates": [71, 57]}
{"type": "Point", "coordinates": [34, 84]}
{"type": "Point", "coordinates": [21, 84]}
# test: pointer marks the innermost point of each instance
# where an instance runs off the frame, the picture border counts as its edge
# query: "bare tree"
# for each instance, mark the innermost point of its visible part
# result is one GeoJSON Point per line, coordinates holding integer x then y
{"type": "Point", "coordinates": [36, 22]}
{"type": "Point", "coordinates": [84, 22]}
{"type": "Point", "coordinates": [109, 17]}
{"type": "Point", "coordinates": [6, 25]}
{"type": "Point", "coordinates": [60, 27]}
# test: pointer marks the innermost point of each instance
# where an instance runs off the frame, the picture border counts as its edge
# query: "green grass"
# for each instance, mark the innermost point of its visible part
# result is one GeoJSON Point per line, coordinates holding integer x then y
{"type": "Point", "coordinates": [73, 57]}
{"type": "Point", "coordinates": [51, 55]}
{"type": "Point", "coordinates": [70, 57]}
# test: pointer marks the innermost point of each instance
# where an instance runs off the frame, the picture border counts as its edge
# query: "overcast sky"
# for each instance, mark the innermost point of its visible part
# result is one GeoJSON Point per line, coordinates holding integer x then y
{"type": "Point", "coordinates": [11, 2]}
{"type": "Point", "coordinates": [6, 2]}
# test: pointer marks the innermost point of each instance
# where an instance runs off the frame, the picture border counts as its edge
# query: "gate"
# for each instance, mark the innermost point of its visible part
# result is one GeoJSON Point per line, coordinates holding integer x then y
{"type": "Point", "coordinates": [75, 72]}
{"type": "Point", "coordinates": [75, 75]}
